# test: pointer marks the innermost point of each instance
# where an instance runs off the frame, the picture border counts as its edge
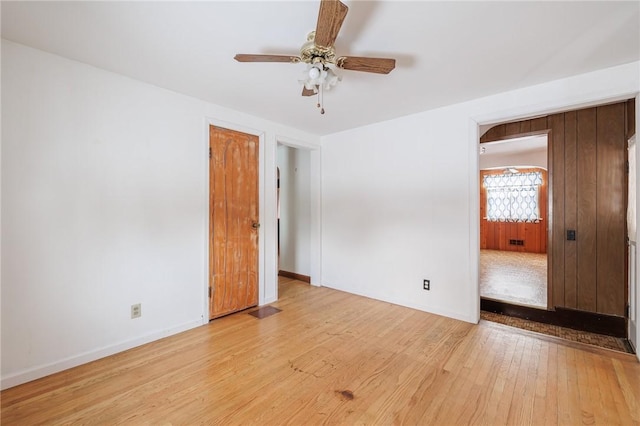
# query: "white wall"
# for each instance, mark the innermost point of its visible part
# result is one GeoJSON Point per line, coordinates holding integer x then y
{"type": "Point", "coordinates": [105, 201]}
{"type": "Point", "coordinates": [295, 209]}
{"type": "Point", "coordinates": [400, 199]}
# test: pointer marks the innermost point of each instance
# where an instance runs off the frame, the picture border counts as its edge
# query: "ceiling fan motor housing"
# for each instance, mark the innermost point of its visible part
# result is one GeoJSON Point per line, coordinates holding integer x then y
{"type": "Point", "coordinates": [310, 53]}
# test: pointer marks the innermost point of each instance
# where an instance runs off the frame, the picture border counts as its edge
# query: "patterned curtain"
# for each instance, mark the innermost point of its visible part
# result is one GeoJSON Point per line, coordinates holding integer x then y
{"type": "Point", "coordinates": [513, 197]}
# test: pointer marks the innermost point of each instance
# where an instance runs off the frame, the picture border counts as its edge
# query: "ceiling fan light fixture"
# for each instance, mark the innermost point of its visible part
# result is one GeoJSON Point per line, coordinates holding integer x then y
{"type": "Point", "coordinates": [319, 75]}
{"type": "Point", "coordinates": [314, 73]}
{"type": "Point", "coordinates": [317, 78]}
{"type": "Point", "coordinates": [331, 78]}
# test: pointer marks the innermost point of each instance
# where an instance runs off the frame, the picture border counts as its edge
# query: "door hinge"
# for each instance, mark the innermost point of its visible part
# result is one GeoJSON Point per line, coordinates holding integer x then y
{"type": "Point", "coordinates": [209, 292]}
{"type": "Point", "coordinates": [626, 167]}
{"type": "Point", "coordinates": [209, 152]}
{"type": "Point", "coordinates": [627, 309]}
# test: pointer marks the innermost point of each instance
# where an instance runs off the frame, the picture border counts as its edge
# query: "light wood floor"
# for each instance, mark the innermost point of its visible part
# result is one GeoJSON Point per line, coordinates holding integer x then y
{"type": "Point", "coordinates": [335, 358]}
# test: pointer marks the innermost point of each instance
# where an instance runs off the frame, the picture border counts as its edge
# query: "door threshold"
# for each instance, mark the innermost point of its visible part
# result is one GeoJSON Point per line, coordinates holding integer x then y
{"type": "Point", "coordinates": [610, 325]}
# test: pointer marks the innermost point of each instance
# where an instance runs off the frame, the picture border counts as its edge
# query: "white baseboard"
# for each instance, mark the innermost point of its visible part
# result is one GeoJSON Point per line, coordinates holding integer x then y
{"type": "Point", "coordinates": [466, 317]}
{"type": "Point", "coordinates": [34, 373]}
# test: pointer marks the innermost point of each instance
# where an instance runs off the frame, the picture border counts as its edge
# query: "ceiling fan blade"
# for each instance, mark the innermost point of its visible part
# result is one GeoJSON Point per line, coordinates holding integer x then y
{"type": "Point", "coordinates": [330, 18]}
{"type": "Point", "coordinates": [307, 92]}
{"type": "Point", "coordinates": [356, 63]}
{"type": "Point", "coordinates": [240, 57]}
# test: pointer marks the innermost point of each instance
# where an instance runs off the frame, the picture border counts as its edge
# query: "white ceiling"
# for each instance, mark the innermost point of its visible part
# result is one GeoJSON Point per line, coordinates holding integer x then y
{"type": "Point", "coordinates": [519, 152]}
{"type": "Point", "coordinates": [446, 52]}
{"type": "Point", "coordinates": [521, 145]}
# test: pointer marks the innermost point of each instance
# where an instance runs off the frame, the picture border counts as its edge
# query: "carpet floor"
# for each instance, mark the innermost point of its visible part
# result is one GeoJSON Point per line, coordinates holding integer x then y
{"type": "Point", "coordinates": [514, 277]}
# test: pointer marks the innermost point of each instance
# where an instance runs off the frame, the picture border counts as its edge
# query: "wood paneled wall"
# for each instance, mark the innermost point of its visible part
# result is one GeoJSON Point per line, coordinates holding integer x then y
{"type": "Point", "coordinates": [588, 186]}
{"type": "Point", "coordinates": [496, 235]}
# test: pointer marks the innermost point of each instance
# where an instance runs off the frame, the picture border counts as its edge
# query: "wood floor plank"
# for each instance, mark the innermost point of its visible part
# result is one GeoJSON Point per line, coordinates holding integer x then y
{"type": "Point", "coordinates": [600, 380]}
{"type": "Point", "coordinates": [334, 358]}
{"type": "Point", "coordinates": [629, 386]}
{"type": "Point", "coordinates": [564, 417]}
{"type": "Point", "coordinates": [552, 390]}
{"type": "Point", "coordinates": [587, 403]}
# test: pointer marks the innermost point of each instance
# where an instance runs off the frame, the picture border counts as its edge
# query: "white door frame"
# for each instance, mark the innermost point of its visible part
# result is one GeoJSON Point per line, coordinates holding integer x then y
{"type": "Point", "coordinates": [634, 299]}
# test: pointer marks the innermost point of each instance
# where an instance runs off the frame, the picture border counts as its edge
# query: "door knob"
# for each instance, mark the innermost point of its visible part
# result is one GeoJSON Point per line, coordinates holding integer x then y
{"type": "Point", "coordinates": [255, 225]}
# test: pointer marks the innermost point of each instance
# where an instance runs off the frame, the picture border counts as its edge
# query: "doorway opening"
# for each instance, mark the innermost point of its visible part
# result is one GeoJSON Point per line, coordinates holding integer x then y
{"type": "Point", "coordinates": [586, 229]}
{"type": "Point", "coordinates": [513, 221]}
{"type": "Point", "coordinates": [294, 206]}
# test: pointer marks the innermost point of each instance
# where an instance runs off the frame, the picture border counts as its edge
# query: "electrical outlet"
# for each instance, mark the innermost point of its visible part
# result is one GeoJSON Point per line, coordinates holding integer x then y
{"type": "Point", "coordinates": [426, 284]}
{"type": "Point", "coordinates": [136, 310]}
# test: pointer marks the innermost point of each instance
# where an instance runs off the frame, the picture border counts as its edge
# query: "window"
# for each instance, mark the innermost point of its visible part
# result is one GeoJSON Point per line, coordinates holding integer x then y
{"type": "Point", "coordinates": [513, 197]}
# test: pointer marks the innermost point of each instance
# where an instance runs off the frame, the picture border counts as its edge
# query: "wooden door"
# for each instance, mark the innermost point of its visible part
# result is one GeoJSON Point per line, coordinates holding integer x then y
{"type": "Point", "coordinates": [233, 221]}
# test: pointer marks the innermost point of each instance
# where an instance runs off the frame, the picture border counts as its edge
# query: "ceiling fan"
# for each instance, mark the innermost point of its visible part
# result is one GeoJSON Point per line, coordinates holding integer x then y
{"type": "Point", "coordinates": [319, 54]}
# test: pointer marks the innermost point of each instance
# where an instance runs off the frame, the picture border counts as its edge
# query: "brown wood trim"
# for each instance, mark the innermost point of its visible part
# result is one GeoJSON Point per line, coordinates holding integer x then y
{"type": "Point", "coordinates": [630, 113]}
{"type": "Point", "coordinates": [293, 275]}
{"type": "Point", "coordinates": [610, 325]}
